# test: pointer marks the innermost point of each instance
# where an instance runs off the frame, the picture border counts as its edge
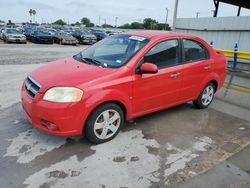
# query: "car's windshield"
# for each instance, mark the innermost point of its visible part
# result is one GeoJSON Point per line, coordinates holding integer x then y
{"type": "Point", "coordinates": [41, 32]}
{"type": "Point", "coordinates": [113, 51]}
{"type": "Point", "coordinates": [13, 31]}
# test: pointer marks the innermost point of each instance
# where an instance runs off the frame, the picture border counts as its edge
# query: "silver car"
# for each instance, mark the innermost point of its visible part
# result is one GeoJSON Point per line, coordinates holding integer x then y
{"type": "Point", "coordinates": [13, 35]}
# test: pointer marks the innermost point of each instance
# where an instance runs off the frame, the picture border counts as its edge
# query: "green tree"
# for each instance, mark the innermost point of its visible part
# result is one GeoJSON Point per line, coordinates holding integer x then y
{"type": "Point", "coordinates": [10, 23]}
{"type": "Point", "coordinates": [90, 24]}
{"type": "Point", "coordinates": [136, 25]}
{"type": "Point", "coordinates": [1, 21]}
{"type": "Point", "coordinates": [149, 23]}
{"type": "Point", "coordinates": [59, 22]}
{"type": "Point", "coordinates": [34, 13]}
{"type": "Point", "coordinates": [77, 24]}
{"type": "Point", "coordinates": [85, 21]}
{"type": "Point", "coordinates": [30, 12]}
{"type": "Point", "coordinates": [107, 26]}
{"type": "Point", "coordinates": [125, 26]}
{"type": "Point", "coordinates": [161, 26]}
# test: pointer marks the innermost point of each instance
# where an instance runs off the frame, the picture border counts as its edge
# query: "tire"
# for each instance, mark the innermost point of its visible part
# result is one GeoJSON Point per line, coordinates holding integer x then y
{"type": "Point", "coordinates": [98, 128]}
{"type": "Point", "coordinates": [206, 96]}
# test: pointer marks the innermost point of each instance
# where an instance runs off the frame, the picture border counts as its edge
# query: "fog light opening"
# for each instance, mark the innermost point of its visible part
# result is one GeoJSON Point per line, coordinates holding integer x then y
{"type": "Point", "coordinates": [48, 125]}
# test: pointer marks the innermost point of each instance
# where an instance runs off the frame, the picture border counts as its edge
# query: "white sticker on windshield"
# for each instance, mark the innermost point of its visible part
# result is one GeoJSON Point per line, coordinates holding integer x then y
{"type": "Point", "coordinates": [137, 38]}
{"type": "Point", "coordinates": [118, 61]}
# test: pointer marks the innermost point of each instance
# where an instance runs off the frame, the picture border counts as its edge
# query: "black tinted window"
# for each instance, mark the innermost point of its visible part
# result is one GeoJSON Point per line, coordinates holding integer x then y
{"type": "Point", "coordinates": [164, 54]}
{"type": "Point", "coordinates": [194, 51]}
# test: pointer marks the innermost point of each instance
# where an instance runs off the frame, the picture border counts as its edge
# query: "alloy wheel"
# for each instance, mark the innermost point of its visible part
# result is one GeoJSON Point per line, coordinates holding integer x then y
{"type": "Point", "coordinates": [107, 124]}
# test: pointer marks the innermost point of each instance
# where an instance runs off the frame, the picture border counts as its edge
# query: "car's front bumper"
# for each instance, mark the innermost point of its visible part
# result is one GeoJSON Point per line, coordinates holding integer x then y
{"type": "Point", "coordinates": [44, 40]}
{"type": "Point", "coordinates": [68, 118]}
{"type": "Point", "coordinates": [17, 40]}
{"type": "Point", "coordinates": [73, 42]}
{"type": "Point", "coordinates": [88, 41]}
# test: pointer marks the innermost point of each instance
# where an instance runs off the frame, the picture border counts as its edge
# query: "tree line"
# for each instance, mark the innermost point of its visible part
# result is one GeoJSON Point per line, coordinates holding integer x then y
{"type": "Point", "coordinates": [148, 23]}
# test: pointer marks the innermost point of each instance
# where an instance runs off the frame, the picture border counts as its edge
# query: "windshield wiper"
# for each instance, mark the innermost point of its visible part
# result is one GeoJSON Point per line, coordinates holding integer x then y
{"type": "Point", "coordinates": [80, 59]}
{"type": "Point", "coordinates": [94, 61]}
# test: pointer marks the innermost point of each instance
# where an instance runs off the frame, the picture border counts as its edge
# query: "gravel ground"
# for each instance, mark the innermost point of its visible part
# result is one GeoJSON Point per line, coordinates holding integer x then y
{"type": "Point", "coordinates": [30, 53]}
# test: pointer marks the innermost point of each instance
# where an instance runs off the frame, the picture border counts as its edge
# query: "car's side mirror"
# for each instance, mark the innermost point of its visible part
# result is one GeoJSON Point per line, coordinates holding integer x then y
{"type": "Point", "coordinates": [148, 68]}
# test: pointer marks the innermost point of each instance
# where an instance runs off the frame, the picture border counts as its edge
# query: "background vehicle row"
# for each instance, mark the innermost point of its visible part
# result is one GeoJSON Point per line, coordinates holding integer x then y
{"type": "Point", "coordinates": [51, 35]}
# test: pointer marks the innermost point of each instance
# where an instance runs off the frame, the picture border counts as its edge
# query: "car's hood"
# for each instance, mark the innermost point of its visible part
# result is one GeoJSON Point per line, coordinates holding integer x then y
{"type": "Point", "coordinates": [67, 72]}
{"type": "Point", "coordinates": [88, 35]}
{"type": "Point", "coordinates": [68, 38]}
{"type": "Point", "coordinates": [15, 35]}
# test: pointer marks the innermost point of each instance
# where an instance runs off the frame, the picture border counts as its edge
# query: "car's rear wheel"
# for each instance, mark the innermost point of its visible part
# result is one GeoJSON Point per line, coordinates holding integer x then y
{"type": "Point", "coordinates": [206, 96]}
{"type": "Point", "coordinates": [104, 123]}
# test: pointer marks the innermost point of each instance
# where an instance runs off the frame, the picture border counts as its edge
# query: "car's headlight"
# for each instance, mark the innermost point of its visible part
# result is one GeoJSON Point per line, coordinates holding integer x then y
{"type": "Point", "coordinates": [63, 94]}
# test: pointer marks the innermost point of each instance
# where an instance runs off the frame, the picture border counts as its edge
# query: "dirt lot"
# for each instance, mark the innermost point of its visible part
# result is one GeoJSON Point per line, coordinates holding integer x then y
{"type": "Point", "coordinates": [177, 147]}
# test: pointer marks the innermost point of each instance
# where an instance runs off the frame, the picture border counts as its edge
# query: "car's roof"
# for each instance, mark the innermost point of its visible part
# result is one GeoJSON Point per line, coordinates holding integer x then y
{"type": "Point", "coordinates": [158, 34]}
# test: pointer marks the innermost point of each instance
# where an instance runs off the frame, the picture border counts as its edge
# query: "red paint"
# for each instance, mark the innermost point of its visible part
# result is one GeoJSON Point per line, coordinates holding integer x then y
{"type": "Point", "coordinates": [139, 93]}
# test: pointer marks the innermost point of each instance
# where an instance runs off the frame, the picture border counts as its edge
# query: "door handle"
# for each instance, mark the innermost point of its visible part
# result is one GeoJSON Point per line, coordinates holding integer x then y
{"type": "Point", "coordinates": [207, 67]}
{"type": "Point", "coordinates": [175, 75]}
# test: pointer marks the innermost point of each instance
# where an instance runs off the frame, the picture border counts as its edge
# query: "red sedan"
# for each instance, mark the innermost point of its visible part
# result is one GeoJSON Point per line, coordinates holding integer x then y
{"type": "Point", "coordinates": [119, 78]}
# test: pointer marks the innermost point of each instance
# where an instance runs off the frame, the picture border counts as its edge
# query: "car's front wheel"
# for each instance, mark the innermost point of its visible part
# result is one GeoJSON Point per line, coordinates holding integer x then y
{"type": "Point", "coordinates": [104, 123]}
{"type": "Point", "coordinates": [206, 96]}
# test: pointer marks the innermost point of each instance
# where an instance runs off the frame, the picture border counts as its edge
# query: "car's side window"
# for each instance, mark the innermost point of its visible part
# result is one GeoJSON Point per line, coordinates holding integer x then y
{"type": "Point", "coordinates": [164, 54]}
{"type": "Point", "coordinates": [194, 51]}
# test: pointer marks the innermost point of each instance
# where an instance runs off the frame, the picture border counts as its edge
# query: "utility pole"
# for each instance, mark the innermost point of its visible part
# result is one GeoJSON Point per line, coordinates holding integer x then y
{"type": "Point", "coordinates": [175, 14]}
{"type": "Point", "coordinates": [197, 14]}
{"type": "Point", "coordinates": [166, 20]}
{"type": "Point", "coordinates": [116, 18]}
{"type": "Point", "coordinates": [99, 21]}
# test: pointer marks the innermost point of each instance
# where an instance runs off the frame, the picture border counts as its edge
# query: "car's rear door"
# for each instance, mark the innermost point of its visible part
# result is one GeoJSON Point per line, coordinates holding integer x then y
{"type": "Point", "coordinates": [196, 66]}
{"type": "Point", "coordinates": [155, 91]}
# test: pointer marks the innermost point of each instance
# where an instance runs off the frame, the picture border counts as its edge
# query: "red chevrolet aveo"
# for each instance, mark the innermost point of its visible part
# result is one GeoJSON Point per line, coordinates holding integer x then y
{"type": "Point", "coordinates": [119, 78]}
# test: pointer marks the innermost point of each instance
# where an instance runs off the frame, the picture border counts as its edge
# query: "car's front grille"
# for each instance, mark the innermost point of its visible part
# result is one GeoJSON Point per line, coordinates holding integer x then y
{"type": "Point", "coordinates": [31, 87]}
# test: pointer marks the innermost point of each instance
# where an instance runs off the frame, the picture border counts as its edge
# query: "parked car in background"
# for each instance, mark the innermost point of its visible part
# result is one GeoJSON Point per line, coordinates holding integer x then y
{"type": "Point", "coordinates": [1, 32]}
{"type": "Point", "coordinates": [13, 35]}
{"type": "Point", "coordinates": [100, 35]}
{"type": "Point", "coordinates": [27, 32]}
{"type": "Point", "coordinates": [77, 34]}
{"type": "Point", "coordinates": [109, 33]}
{"type": "Point", "coordinates": [87, 37]}
{"type": "Point", "coordinates": [51, 31]}
{"type": "Point", "coordinates": [40, 36]}
{"type": "Point", "coordinates": [62, 37]}
{"type": "Point", "coordinates": [120, 78]}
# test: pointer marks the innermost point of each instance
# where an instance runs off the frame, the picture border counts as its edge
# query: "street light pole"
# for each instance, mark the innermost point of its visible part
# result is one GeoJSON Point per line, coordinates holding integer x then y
{"type": "Point", "coordinates": [175, 14]}
{"type": "Point", "coordinates": [166, 19]}
{"type": "Point", "coordinates": [197, 14]}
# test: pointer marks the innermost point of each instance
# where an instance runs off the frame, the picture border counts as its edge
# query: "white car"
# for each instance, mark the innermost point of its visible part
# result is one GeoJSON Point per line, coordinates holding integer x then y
{"type": "Point", "coordinates": [1, 33]}
{"type": "Point", "coordinates": [13, 35]}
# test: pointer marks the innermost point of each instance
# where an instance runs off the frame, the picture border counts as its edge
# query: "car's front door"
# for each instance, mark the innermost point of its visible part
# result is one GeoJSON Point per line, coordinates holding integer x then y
{"type": "Point", "coordinates": [155, 91]}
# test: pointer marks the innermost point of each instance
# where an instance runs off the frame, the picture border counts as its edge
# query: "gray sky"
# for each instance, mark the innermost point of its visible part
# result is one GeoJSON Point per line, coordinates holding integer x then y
{"type": "Point", "coordinates": [126, 10]}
